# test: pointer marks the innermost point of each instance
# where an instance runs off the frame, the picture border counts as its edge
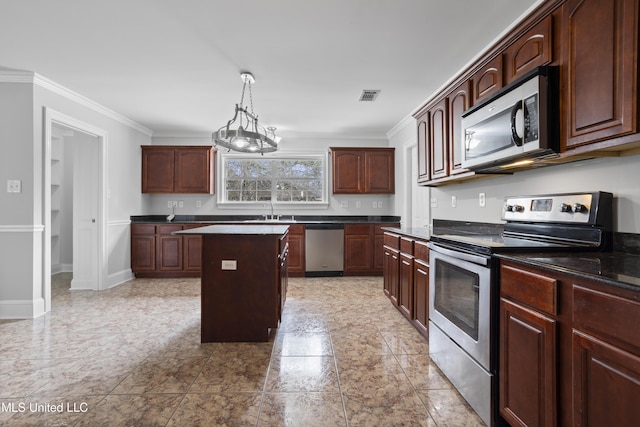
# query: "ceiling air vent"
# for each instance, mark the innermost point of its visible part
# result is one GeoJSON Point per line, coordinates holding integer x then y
{"type": "Point", "coordinates": [369, 95]}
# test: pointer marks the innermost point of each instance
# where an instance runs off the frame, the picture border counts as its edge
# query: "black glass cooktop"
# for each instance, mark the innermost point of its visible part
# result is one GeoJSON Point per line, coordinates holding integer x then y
{"type": "Point", "coordinates": [499, 243]}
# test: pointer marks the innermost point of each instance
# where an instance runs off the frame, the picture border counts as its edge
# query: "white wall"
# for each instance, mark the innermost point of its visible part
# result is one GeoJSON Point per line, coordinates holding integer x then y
{"type": "Point", "coordinates": [618, 175]}
{"type": "Point", "coordinates": [23, 98]}
{"type": "Point", "coordinates": [157, 203]}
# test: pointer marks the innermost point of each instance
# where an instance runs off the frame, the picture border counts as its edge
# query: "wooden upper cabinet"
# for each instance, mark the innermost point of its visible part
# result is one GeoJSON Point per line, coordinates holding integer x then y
{"type": "Point", "coordinates": [157, 169]}
{"type": "Point", "coordinates": [363, 170]}
{"type": "Point", "coordinates": [194, 170]}
{"type": "Point", "coordinates": [600, 70]}
{"type": "Point", "coordinates": [459, 102]}
{"type": "Point", "coordinates": [379, 171]}
{"type": "Point", "coordinates": [178, 169]}
{"type": "Point", "coordinates": [531, 50]}
{"type": "Point", "coordinates": [423, 148]}
{"type": "Point", "coordinates": [487, 80]}
{"type": "Point", "coordinates": [348, 171]}
{"type": "Point", "coordinates": [439, 140]}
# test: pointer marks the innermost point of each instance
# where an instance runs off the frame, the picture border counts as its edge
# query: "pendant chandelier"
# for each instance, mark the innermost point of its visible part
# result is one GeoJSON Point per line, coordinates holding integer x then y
{"type": "Point", "coordinates": [243, 133]}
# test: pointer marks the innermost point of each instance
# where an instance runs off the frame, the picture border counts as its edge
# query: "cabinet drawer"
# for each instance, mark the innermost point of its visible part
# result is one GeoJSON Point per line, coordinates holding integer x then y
{"type": "Point", "coordinates": [533, 289]}
{"type": "Point", "coordinates": [406, 245]}
{"type": "Point", "coordinates": [611, 315]}
{"type": "Point", "coordinates": [296, 229]}
{"type": "Point", "coordinates": [392, 240]}
{"type": "Point", "coordinates": [168, 229]}
{"type": "Point", "coordinates": [421, 251]}
{"type": "Point", "coordinates": [357, 229]}
{"type": "Point", "coordinates": [143, 229]}
{"type": "Point", "coordinates": [377, 228]}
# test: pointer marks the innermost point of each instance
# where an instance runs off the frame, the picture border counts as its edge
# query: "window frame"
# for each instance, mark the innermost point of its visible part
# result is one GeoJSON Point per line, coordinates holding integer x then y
{"type": "Point", "coordinates": [221, 184]}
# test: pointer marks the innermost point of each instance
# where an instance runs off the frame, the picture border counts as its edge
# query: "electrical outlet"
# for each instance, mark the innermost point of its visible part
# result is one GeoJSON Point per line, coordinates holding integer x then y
{"type": "Point", "coordinates": [358, 204]}
{"type": "Point", "coordinates": [180, 204]}
{"type": "Point", "coordinates": [198, 203]}
{"type": "Point", "coordinates": [14, 186]}
{"type": "Point", "coordinates": [454, 201]}
{"type": "Point", "coordinates": [175, 204]}
{"type": "Point", "coordinates": [229, 264]}
{"type": "Point", "coordinates": [380, 204]}
{"type": "Point", "coordinates": [169, 204]}
{"type": "Point", "coordinates": [375, 204]}
{"type": "Point", "coordinates": [344, 204]}
{"type": "Point", "coordinates": [482, 200]}
{"type": "Point", "coordinates": [434, 202]}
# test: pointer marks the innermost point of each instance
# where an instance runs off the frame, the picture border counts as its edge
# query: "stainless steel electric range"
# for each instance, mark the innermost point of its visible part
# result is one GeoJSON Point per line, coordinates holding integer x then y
{"type": "Point", "coordinates": [463, 283]}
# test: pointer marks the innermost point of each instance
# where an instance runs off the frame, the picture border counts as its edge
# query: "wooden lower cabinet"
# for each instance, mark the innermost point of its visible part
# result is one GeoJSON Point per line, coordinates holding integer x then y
{"type": "Point", "coordinates": [363, 249]}
{"type": "Point", "coordinates": [569, 353]}
{"type": "Point", "coordinates": [143, 247]}
{"type": "Point", "coordinates": [406, 278]}
{"type": "Point", "coordinates": [391, 273]}
{"type": "Point", "coordinates": [296, 254]}
{"type": "Point", "coordinates": [528, 354]}
{"type": "Point", "coordinates": [169, 248]}
{"type": "Point", "coordinates": [421, 296]}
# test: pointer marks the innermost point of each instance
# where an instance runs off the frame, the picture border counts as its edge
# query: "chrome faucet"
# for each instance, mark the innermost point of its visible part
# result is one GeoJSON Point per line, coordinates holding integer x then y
{"type": "Point", "coordinates": [271, 206]}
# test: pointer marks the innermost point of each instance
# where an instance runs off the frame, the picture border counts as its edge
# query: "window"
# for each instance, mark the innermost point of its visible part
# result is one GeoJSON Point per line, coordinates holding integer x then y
{"type": "Point", "coordinates": [284, 179]}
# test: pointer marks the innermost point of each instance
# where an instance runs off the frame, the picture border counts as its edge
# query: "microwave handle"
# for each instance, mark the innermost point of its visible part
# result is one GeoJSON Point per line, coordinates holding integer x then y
{"type": "Point", "coordinates": [514, 132]}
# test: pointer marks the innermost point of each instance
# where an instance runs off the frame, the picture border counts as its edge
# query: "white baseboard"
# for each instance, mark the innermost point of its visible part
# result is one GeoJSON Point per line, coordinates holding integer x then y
{"type": "Point", "coordinates": [119, 278]}
{"type": "Point", "coordinates": [21, 309]}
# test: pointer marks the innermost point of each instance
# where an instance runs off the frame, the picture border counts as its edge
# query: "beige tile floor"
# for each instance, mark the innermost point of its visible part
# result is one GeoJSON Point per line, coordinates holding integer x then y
{"type": "Point", "coordinates": [131, 356]}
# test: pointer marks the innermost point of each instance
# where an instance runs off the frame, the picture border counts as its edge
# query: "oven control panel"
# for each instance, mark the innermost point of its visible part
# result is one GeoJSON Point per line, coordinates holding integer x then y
{"type": "Point", "coordinates": [576, 208]}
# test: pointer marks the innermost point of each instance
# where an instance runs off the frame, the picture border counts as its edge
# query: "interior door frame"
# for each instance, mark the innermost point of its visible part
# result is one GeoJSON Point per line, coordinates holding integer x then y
{"type": "Point", "coordinates": [51, 118]}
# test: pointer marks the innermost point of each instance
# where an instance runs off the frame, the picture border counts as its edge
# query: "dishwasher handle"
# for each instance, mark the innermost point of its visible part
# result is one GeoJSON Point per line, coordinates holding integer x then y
{"type": "Point", "coordinates": [325, 226]}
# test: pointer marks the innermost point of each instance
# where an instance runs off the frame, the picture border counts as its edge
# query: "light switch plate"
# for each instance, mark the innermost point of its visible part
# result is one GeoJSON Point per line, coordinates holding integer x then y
{"type": "Point", "coordinates": [14, 186]}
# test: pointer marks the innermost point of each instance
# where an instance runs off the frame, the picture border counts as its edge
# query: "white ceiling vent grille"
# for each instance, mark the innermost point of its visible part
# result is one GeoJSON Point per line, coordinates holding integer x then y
{"type": "Point", "coordinates": [369, 95]}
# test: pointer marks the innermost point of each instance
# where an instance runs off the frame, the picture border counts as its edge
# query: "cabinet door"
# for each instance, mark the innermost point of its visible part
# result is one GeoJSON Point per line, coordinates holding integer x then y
{"type": "Point", "coordinates": [194, 170]}
{"type": "Point", "coordinates": [600, 70]}
{"type": "Point", "coordinates": [169, 248]}
{"type": "Point", "coordinates": [378, 253]}
{"type": "Point", "coordinates": [379, 176]}
{"type": "Point", "coordinates": [424, 174]}
{"type": "Point", "coordinates": [528, 356]}
{"type": "Point", "coordinates": [391, 273]}
{"type": "Point", "coordinates": [192, 253]}
{"type": "Point", "coordinates": [487, 80]}
{"type": "Point", "coordinates": [606, 383]}
{"type": "Point", "coordinates": [439, 140]}
{"type": "Point", "coordinates": [405, 286]}
{"type": "Point", "coordinates": [358, 256]}
{"type": "Point", "coordinates": [296, 258]}
{"type": "Point", "coordinates": [459, 102]}
{"type": "Point", "coordinates": [421, 297]}
{"type": "Point", "coordinates": [143, 247]}
{"type": "Point", "coordinates": [348, 171]}
{"type": "Point", "coordinates": [143, 253]}
{"type": "Point", "coordinates": [531, 50]}
{"type": "Point", "coordinates": [157, 169]}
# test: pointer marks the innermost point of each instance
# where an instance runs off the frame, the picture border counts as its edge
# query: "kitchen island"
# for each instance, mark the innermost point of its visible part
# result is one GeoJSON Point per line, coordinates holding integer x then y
{"type": "Point", "coordinates": [243, 282]}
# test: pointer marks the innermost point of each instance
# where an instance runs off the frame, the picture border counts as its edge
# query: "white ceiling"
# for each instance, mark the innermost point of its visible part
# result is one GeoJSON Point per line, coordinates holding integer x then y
{"type": "Point", "coordinates": [174, 65]}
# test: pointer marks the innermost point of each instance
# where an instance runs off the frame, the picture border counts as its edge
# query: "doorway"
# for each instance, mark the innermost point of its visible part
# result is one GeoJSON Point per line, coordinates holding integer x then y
{"type": "Point", "coordinates": [74, 202]}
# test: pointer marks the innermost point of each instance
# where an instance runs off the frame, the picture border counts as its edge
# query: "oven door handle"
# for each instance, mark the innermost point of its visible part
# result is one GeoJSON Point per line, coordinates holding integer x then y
{"type": "Point", "coordinates": [475, 259]}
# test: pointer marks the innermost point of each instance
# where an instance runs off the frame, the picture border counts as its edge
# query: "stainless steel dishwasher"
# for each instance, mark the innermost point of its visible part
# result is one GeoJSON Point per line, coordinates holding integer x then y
{"type": "Point", "coordinates": [324, 250]}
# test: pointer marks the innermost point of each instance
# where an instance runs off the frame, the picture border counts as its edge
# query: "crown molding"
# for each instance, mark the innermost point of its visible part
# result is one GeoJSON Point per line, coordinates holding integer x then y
{"type": "Point", "coordinates": [18, 76]}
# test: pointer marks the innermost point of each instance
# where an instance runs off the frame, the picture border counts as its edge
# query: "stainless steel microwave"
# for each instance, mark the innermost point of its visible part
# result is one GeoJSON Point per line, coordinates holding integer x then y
{"type": "Point", "coordinates": [517, 126]}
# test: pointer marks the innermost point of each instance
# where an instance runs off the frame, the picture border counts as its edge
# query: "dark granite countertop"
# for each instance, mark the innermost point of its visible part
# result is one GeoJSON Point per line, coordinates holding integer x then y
{"type": "Point", "coordinates": [415, 232]}
{"type": "Point", "coordinates": [611, 268]}
{"type": "Point", "coordinates": [248, 229]}
{"type": "Point", "coordinates": [284, 219]}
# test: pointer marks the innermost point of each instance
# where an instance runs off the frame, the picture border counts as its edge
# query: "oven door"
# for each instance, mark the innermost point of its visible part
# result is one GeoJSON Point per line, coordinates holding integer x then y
{"type": "Point", "coordinates": [459, 303]}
